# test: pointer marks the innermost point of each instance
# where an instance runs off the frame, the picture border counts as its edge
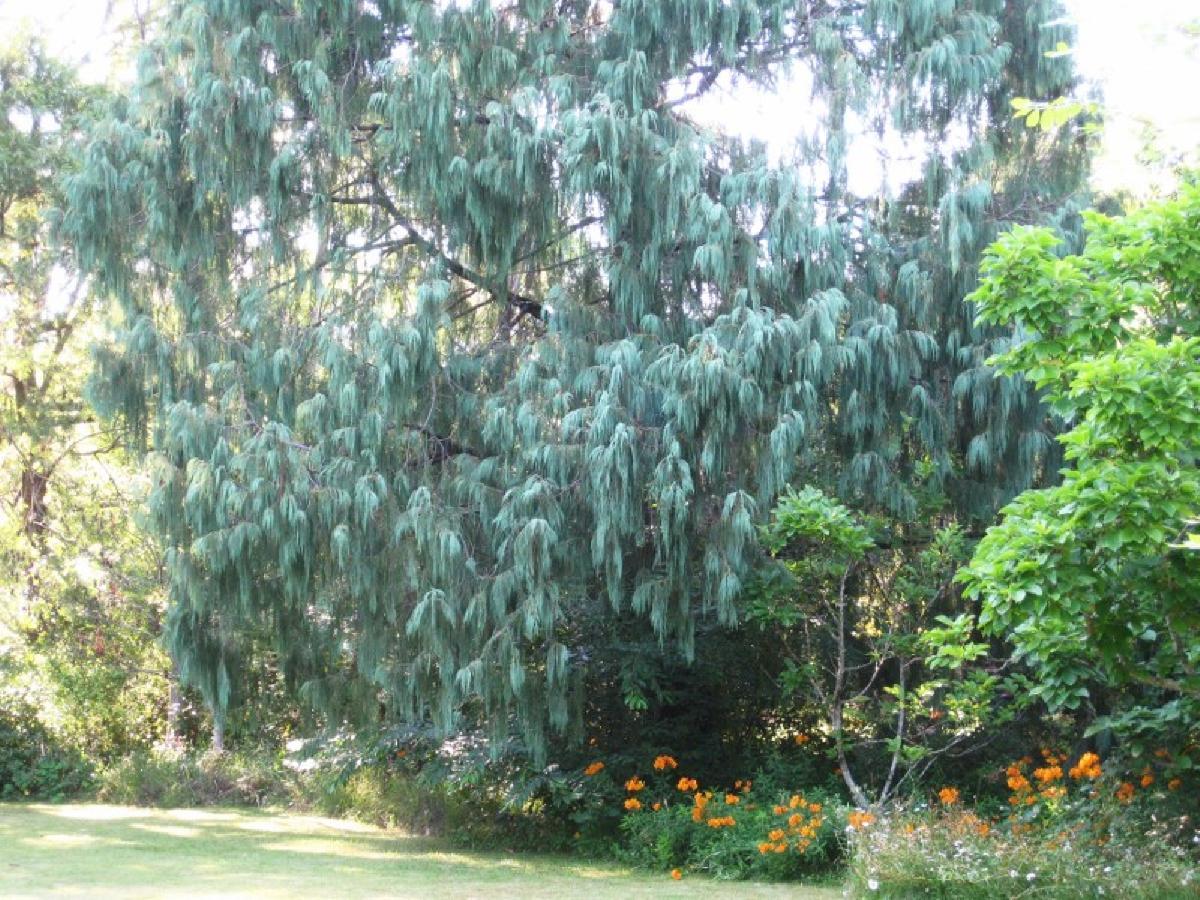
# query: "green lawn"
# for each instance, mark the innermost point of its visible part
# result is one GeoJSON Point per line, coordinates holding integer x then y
{"type": "Point", "coordinates": [114, 851]}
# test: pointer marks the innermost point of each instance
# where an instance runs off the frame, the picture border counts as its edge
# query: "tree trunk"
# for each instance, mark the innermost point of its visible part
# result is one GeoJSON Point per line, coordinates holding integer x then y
{"type": "Point", "coordinates": [174, 704]}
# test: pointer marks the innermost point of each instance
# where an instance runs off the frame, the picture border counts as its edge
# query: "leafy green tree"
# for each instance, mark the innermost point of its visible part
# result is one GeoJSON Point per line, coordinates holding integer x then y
{"type": "Point", "coordinates": [80, 608]}
{"type": "Point", "coordinates": [458, 342]}
{"type": "Point", "coordinates": [1087, 579]}
{"type": "Point", "coordinates": [854, 609]}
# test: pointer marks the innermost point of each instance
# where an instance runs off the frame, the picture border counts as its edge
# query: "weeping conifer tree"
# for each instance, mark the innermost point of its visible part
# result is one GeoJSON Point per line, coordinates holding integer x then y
{"type": "Point", "coordinates": [453, 335]}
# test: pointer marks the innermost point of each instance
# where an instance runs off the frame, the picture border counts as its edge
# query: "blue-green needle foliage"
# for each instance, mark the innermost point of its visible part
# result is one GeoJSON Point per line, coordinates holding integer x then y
{"type": "Point", "coordinates": [448, 324]}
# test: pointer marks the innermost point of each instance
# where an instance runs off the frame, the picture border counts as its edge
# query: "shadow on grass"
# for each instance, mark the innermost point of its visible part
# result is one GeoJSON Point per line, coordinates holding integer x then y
{"type": "Point", "coordinates": [113, 851]}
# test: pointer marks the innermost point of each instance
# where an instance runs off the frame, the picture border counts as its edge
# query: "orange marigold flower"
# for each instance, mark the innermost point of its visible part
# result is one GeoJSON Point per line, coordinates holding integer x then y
{"type": "Point", "coordinates": [1125, 792]}
{"type": "Point", "coordinates": [814, 807]}
{"type": "Point", "coordinates": [1147, 780]}
{"type": "Point", "coordinates": [1018, 782]}
{"type": "Point", "coordinates": [794, 820]}
{"type": "Point", "coordinates": [633, 803]}
{"type": "Point", "coordinates": [676, 874]}
{"type": "Point", "coordinates": [764, 847]}
{"type": "Point", "coordinates": [983, 829]}
{"type": "Point", "coordinates": [948, 796]}
{"type": "Point", "coordinates": [594, 769]}
{"type": "Point", "coordinates": [802, 739]}
{"type": "Point", "coordinates": [796, 800]}
{"type": "Point", "coordinates": [664, 762]}
{"type": "Point", "coordinates": [1174, 784]}
{"type": "Point", "coordinates": [656, 806]}
{"type": "Point", "coordinates": [776, 834]}
{"type": "Point", "coordinates": [634, 784]}
{"type": "Point", "coordinates": [732, 799]}
{"type": "Point", "coordinates": [687, 784]}
{"type": "Point", "coordinates": [1048, 774]}
{"type": "Point", "coordinates": [860, 819]}
{"type": "Point", "coordinates": [780, 810]}
{"type": "Point", "coordinates": [1162, 753]}
{"type": "Point", "coordinates": [781, 847]}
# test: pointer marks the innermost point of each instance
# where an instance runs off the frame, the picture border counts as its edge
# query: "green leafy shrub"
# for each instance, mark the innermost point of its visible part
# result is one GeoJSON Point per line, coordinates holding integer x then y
{"type": "Point", "coordinates": [667, 820]}
{"type": "Point", "coordinates": [166, 777]}
{"type": "Point", "coordinates": [736, 835]}
{"type": "Point", "coordinates": [33, 765]}
{"type": "Point", "coordinates": [409, 778]}
{"type": "Point", "coordinates": [384, 797]}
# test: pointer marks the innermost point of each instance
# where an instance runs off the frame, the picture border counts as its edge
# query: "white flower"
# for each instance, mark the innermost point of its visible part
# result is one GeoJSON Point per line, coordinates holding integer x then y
{"type": "Point", "coordinates": [1012, 873]}
{"type": "Point", "coordinates": [1031, 876]}
{"type": "Point", "coordinates": [872, 884]}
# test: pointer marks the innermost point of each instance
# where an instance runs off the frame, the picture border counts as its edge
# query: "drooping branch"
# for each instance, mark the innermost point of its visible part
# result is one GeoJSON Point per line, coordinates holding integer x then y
{"type": "Point", "coordinates": [524, 304]}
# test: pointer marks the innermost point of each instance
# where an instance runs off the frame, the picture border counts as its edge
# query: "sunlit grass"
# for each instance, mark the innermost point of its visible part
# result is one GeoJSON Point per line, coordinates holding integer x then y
{"type": "Point", "coordinates": [113, 851]}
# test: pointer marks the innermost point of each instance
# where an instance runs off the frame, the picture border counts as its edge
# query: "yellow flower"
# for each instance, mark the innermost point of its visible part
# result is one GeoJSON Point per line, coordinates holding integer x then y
{"type": "Point", "coordinates": [594, 769]}
{"type": "Point", "coordinates": [633, 803]}
{"type": "Point", "coordinates": [634, 784]}
{"type": "Point", "coordinates": [664, 762]}
{"type": "Point", "coordinates": [948, 796]}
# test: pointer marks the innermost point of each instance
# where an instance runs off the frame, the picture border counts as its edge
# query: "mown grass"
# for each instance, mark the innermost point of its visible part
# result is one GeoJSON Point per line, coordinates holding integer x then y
{"type": "Point", "coordinates": [97, 851]}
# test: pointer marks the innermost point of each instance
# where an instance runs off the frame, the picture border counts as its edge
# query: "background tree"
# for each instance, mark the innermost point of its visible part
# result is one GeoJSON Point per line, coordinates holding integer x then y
{"type": "Point", "coordinates": [462, 348]}
{"type": "Point", "coordinates": [79, 603]}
